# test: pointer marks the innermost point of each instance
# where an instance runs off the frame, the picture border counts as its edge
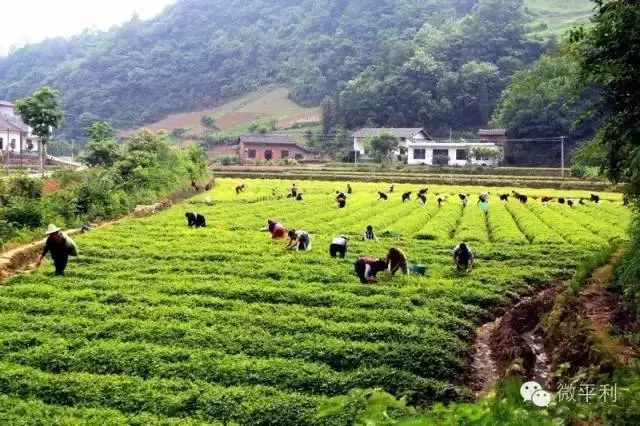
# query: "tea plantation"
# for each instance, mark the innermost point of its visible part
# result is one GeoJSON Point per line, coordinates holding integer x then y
{"type": "Point", "coordinates": [158, 323]}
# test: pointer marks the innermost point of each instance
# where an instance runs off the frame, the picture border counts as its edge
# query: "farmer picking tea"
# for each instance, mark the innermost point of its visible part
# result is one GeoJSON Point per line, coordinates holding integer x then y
{"type": "Point", "coordinates": [276, 229]}
{"type": "Point", "coordinates": [463, 257]}
{"type": "Point", "coordinates": [299, 240]}
{"type": "Point", "coordinates": [396, 259]}
{"type": "Point", "coordinates": [369, 234]}
{"type": "Point", "coordinates": [338, 246]}
{"type": "Point", "coordinates": [61, 246]}
{"type": "Point", "coordinates": [368, 267]}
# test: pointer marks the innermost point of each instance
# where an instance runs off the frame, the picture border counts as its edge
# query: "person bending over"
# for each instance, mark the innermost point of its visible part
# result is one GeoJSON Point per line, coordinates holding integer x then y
{"type": "Point", "coordinates": [396, 259]}
{"type": "Point", "coordinates": [367, 268]}
{"type": "Point", "coordinates": [299, 240]}
{"type": "Point", "coordinates": [338, 246]}
{"type": "Point", "coordinates": [463, 257]}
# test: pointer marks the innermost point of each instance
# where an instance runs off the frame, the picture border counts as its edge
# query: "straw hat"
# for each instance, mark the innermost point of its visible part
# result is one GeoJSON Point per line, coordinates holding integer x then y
{"type": "Point", "coordinates": [51, 229]}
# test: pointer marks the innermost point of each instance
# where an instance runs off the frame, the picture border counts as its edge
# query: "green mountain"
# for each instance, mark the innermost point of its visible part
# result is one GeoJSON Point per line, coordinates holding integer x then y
{"type": "Point", "coordinates": [201, 53]}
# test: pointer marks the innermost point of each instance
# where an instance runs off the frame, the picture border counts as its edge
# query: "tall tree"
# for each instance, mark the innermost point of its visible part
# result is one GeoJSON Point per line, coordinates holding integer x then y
{"type": "Point", "coordinates": [382, 147]}
{"type": "Point", "coordinates": [43, 113]}
{"type": "Point", "coordinates": [103, 150]}
{"type": "Point", "coordinates": [100, 131]}
{"type": "Point", "coordinates": [209, 124]}
{"type": "Point", "coordinates": [545, 100]}
{"type": "Point", "coordinates": [611, 58]}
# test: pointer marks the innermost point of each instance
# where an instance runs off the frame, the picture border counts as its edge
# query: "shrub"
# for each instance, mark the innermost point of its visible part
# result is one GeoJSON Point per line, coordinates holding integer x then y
{"type": "Point", "coordinates": [22, 186]}
{"type": "Point", "coordinates": [7, 231]}
{"type": "Point", "coordinates": [26, 214]}
{"type": "Point", "coordinates": [228, 160]}
{"type": "Point", "coordinates": [67, 178]}
{"type": "Point", "coordinates": [578, 171]}
{"type": "Point", "coordinates": [288, 162]}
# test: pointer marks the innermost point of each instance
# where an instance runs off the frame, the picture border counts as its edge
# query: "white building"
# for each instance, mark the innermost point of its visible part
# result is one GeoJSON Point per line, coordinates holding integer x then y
{"type": "Point", "coordinates": [15, 135]}
{"type": "Point", "coordinates": [452, 153]}
{"type": "Point", "coordinates": [405, 137]}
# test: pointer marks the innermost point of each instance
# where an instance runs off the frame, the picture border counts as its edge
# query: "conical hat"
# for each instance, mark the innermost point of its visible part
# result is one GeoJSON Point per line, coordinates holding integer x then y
{"type": "Point", "coordinates": [51, 229]}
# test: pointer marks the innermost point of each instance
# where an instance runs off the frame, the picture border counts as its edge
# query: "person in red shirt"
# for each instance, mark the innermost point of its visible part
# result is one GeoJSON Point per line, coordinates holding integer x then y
{"type": "Point", "coordinates": [277, 230]}
{"type": "Point", "coordinates": [367, 268]}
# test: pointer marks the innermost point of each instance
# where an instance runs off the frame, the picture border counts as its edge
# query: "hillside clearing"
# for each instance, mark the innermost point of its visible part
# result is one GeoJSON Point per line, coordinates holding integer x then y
{"type": "Point", "coordinates": [234, 117]}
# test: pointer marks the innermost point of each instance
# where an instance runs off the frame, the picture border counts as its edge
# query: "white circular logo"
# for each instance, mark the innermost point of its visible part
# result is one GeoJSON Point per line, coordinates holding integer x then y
{"type": "Point", "coordinates": [541, 398]}
{"type": "Point", "coordinates": [528, 389]}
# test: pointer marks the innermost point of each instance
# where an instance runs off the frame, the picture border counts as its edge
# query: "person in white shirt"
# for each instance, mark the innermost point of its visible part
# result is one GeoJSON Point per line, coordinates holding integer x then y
{"type": "Point", "coordinates": [338, 246]}
{"type": "Point", "coordinates": [299, 240]}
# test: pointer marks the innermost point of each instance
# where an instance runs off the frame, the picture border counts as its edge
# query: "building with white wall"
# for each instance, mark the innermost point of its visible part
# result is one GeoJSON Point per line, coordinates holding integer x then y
{"type": "Point", "coordinates": [15, 136]}
{"type": "Point", "coordinates": [453, 153]}
{"type": "Point", "coordinates": [404, 135]}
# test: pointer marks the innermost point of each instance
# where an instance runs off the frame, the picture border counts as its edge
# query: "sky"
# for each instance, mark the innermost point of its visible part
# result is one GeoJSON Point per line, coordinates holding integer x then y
{"type": "Point", "coordinates": [28, 21]}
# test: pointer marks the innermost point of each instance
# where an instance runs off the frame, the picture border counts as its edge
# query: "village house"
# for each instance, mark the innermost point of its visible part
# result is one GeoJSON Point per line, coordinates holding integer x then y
{"type": "Point", "coordinates": [454, 153]}
{"type": "Point", "coordinates": [496, 136]}
{"type": "Point", "coordinates": [404, 135]}
{"type": "Point", "coordinates": [257, 147]}
{"type": "Point", "coordinates": [15, 135]}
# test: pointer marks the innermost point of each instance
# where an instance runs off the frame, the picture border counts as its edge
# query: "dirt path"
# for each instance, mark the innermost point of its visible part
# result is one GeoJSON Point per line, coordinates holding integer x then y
{"type": "Point", "coordinates": [516, 343]}
{"type": "Point", "coordinates": [511, 344]}
{"type": "Point", "coordinates": [599, 306]}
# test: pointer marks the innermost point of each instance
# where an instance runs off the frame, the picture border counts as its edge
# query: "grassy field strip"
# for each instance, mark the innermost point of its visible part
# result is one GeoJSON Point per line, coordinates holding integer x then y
{"type": "Point", "coordinates": [586, 220]}
{"type": "Point", "coordinates": [502, 226]}
{"type": "Point", "coordinates": [473, 226]}
{"type": "Point", "coordinates": [537, 231]}
{"type": "Point", "coordinates": [443, 224]}
{"type": "Point", "coordinates": [565, 227]}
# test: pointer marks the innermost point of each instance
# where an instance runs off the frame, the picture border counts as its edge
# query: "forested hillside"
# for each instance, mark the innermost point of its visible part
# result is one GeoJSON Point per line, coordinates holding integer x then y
{"type": "Point", "coordinates": [199, 53]}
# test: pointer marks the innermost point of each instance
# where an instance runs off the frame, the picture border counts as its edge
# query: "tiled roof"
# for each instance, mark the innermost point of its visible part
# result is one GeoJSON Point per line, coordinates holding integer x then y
{"type": "Point", "coordinates": [13, 124]}
{"type": "Point", "coordinates": [274, 139]}
{"type": "Point", "coordinates": [492, 132]}
{"type": "Point", "coordinates": [398, 132]}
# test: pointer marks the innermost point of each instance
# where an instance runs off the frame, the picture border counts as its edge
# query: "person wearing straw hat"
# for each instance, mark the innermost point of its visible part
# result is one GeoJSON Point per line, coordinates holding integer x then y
{"type": "Point", "coordinates": [61, 246]}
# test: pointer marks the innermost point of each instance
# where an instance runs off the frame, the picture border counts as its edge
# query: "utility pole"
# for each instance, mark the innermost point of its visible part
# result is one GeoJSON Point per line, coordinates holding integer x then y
{"type": "Point", "coordinates": [562, 155]}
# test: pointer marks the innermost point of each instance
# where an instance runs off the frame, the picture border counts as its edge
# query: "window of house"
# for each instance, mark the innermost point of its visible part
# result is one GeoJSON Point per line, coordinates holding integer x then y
{"type": "Point", "coordinates": [299, 156]}
{"type": "Point", "coordinates": [419, 154]}
{"type": "Point", "coordinates": [284, 154]}
{"type": "Point", "coordinates": [13, 144]}
{"type": "Point", "coordinates": [251, 153]}
{"type": "Point", "coordinates": [1, 143]}
{"type": "Point", "coordinates": [268, 154]}
{"type": "Point", "coordinates": [440, 152]}
{"type": "Point", "coordinates": [461, 154]}
{"type": "Point", "coordinates": [29, 144]}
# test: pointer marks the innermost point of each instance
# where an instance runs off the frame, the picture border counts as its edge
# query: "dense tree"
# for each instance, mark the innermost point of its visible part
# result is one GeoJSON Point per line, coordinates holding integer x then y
{"type": "Point", "coordinates": [199, 53]}
{"type": "Point", "coordinates": [610, 56]}
{"type": "Point", "coordinates": [103, 150]}
{"type": "Point", "coordinates": [208, 122]}
{"type": "Point", "coordinates": [43, 113]}
{"type": "Point", "coordinates": [453, 76]}
{"type": "Point", "coordinates": [100, 131]}
{"type": "Point", "coordinates": [382, 146]}
{"type": "Point", "coordinates": [544, 100]}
